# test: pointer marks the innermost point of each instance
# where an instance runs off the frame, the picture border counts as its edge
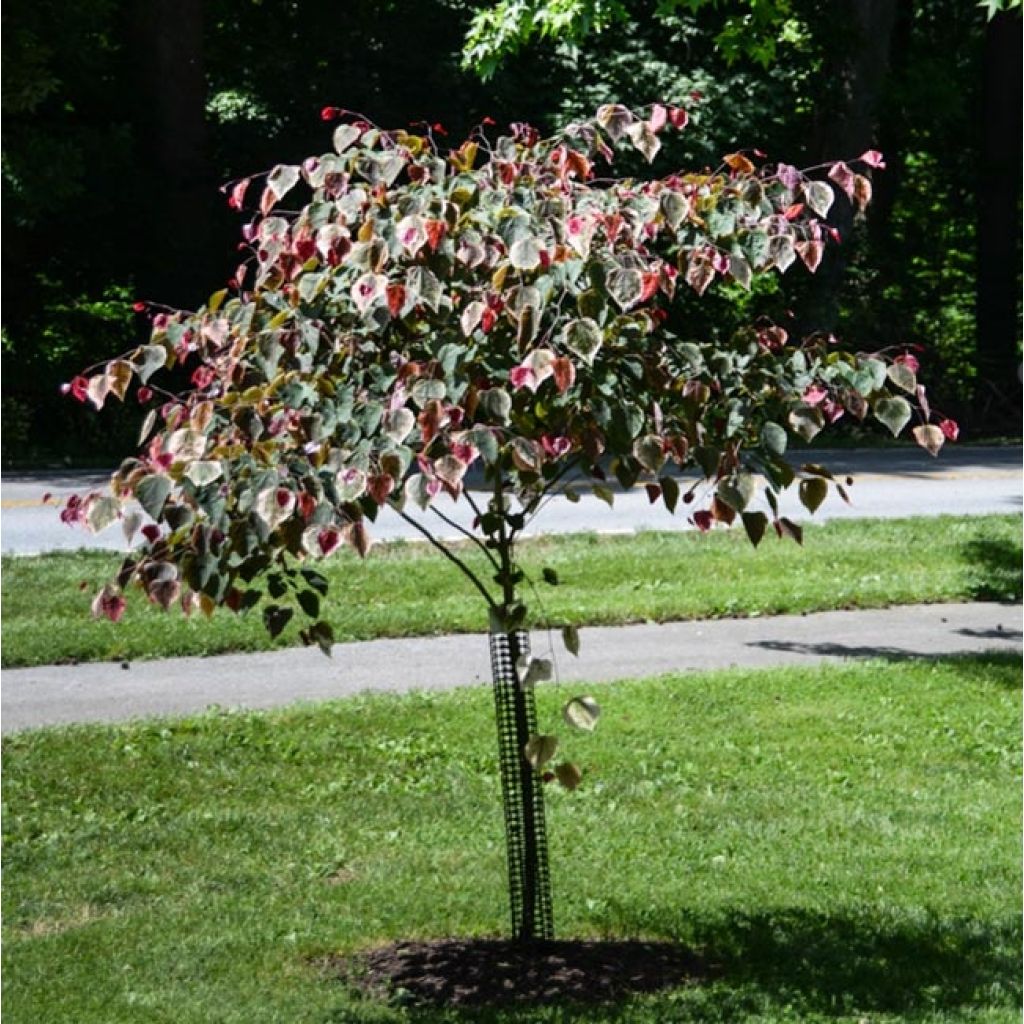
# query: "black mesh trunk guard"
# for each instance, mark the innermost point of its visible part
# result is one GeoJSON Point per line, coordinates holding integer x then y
{"type": "Point", "coordinates": [522, 792]}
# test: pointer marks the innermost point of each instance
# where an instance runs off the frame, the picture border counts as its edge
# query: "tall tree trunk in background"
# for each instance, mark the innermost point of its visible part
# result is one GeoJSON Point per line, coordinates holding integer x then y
{"type": "Point", "coordinates": [171, 94]}
{"type": "Point", "coordinates": [856, 74]}
{"type": "Point", "coordinates": [998, 208]}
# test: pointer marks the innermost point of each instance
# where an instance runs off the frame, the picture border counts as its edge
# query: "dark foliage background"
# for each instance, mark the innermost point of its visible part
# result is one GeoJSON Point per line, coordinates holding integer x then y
{"type": "Point", "coordinates": [123, 117]}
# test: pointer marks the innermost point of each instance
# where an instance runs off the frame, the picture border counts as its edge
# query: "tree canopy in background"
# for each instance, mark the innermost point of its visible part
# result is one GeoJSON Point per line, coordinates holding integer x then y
{"type": "Point", "coordinates": [122, 119]}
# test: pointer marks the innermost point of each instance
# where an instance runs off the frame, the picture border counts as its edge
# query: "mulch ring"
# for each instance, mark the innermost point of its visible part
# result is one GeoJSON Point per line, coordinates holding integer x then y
{"type": "Point", "coordinates": [483, 972]}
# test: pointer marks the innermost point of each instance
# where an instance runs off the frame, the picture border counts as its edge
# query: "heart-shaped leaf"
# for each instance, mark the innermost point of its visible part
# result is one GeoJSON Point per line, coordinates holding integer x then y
{"type": "Point", "coordinates": [344, 136]}
{"type": "Point", "coordinates": [524, 254]}
{"type": "Point", "coordinates": [568, 775]}
{"type": "Point", "coordinates": [903, 377]}
{"type": "Point", "coordinates": [806, 421]}
{"type": "Point", "coordinates": [571, 639]}
{"type": "Point", "coordinates": [582, 713]}
{"type": "Point", "coordinates": [774, 438]}
{"type": "Point", "coordinates": [398, 424]}
{"type": "Point", "coordinates": [102, 512]}
{"type": "Point", "coordinates": [819, 196]}
{"type": "Point", "coordinates": [152, 492]}
{"type": "Point", "coordinates": [649, 453]}
{"type": "Point", "coordinates": [737, 491]}
{"type": "Point", "coordinates": [755, 523]}
{"type": "Point", "coordinates": [583, 337]}
{"type": "Point", "coordinates": [282, 179]}
{"type": "Point", "coordinates": [929, 437]}
{"type": "Point", "coordinates": [533, 670]}
{"type": "Point", "coordinates": [496, 405]}
{"type": "Point", "coordinates": [893, 412]}
{"type": "Point", "coordinates": [625, 287]}
{"type": "Point", "coordinates": [539, 749]}
{"type": "Point", "coordinates": [812, 493]}
{"type": "Point", "coordinates": [203, 472]}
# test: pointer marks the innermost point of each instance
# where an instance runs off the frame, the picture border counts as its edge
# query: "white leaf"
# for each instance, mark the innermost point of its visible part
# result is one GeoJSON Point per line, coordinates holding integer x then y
{"type": "Point", "coordinates": [525, 254]}
{"type": "Point", "coordinates": [582, 713]}
{"type": "Point", "coordinates": [102, 512]}
{"type": "Point", "coordinates": [819, 196]}
{"type": "Point", "coordinates": [203, 472]}
{"type": "Point", "coordinates": [282, 179]}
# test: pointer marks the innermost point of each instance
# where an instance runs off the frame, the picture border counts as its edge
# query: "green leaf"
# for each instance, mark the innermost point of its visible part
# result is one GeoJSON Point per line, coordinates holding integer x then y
{"type": "Point", "coordinates": [568, 775]}
{"type": "Point", "coordinates": [485, 442]}
{"type": "Point", "coordinates": [774, 438]}
{"type": "Point", "coordinates": [496, 405]}
{"type": "Point", "coordinates": [903, 377]}
{"type": "Point", "coordinates": [648, 452]}
{"type": "Point", "coordinates": [275, 618]}
{"type": "Point", "coordinates": [583, 337]}
{"type": "Point", "coordinates": [309, 602]}
{"type": "Point", "coordinates": [581, 713]}
{"type": "Point", "coordinates": [625, 287]}
{"type": "Point", "coordinates": [148, 360]}
{"type": "Point", "coordinates": [669, 492]}
{"type": "Point", "coordinates": [539, 749]}
{"type": "Point", "coordinates": [571, 639]}
{"type": "Point", "coordinates": [321, 634]}
{"type": "Point", "coordinates": [674, 207]}
{"type": "Point", "coordinates": [812, 493]}
{"type": "Point", "coordinates": [787, 528]}
{"type": "Point", "coordinates": [755, 523]}
{"type": "Point", "coordinates": [550, 576]}
{"type": "Point", "coordinates": [152, 493]}
{"type": "Point", "coordinates": [427, 390]}
{"type": "Point", "coordinates": [893, 412]}
{"type": "Point", "coordinates": [737, 491]}
{"type": "Point", "coordinates": [806, 421]}
{"type": "Point", "coordinates": [605, 494]}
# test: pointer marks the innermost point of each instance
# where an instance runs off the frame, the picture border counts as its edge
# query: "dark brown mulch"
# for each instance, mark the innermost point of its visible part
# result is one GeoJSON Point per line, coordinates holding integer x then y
{"type": "Point", "coordinates": [479, 972]}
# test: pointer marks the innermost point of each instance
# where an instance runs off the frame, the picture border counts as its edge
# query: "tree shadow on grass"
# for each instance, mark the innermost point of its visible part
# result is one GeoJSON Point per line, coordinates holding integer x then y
{"type": "Point", "coordinates": [996, 573]}
{"type": "Point", "coordinates": [794, 963]}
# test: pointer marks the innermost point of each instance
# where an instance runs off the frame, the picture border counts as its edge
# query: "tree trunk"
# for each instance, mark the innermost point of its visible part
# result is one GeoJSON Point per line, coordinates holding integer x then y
{"type": "Point", "coordinates": [856, 75]}
{"type": "Point", "coordinates": [170, 96]}
{"type": "Point", "coordinates": [998, 207]}
{"type": "Point", "coordinates": [522, 793]}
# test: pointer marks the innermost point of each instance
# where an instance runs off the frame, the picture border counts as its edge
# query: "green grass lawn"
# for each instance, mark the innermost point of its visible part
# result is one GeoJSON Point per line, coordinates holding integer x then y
{"type": "Point", "coordinates": [844, 841]}
{"type": "Point", "coordinates": [408, 590]}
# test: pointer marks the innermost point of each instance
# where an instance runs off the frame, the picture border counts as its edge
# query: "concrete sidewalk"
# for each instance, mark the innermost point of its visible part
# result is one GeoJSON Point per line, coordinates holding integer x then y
{"type": "Point", "coordinates": [108, 692]}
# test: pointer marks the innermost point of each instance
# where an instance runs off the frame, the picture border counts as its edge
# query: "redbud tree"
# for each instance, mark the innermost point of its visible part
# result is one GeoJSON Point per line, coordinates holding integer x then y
{"type": "Point", "coordinates": [404, 316]}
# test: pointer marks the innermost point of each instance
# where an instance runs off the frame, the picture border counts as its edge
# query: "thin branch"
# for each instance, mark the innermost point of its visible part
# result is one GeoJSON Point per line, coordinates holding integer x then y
{"type": "Point", "coordinates": [468, 534]}
{"type": "Point", "coordinates": [449, 555]}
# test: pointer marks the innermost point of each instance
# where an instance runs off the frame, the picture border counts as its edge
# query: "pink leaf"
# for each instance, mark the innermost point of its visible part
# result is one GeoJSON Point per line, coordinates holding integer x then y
{"type": "Point", "coordinates": [109, 604]}
{"type": "Point", "coordinates": [873, 159]}
{"type": "Point", "coordinates": [703, 521]}
{"type": "Point", "coordinates": [678, 117]}
{"type": "Point", "coordinates": [522, 377]}
{"type": "Point", "coordinates": [950, 428]}
{"type": "Point", "coordinates": [238, 194]}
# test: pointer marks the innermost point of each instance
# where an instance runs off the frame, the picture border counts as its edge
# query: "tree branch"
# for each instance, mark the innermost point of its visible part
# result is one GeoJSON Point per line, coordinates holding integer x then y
{"type": "Point", "coordinates": [468, 534]}
{"type": "Point", "coordinates": [470, 575]}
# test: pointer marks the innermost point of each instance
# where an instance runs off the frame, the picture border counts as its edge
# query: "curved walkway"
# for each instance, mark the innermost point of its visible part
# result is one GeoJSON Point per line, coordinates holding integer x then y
{"type": "Point", "coordinates": [110, 692]}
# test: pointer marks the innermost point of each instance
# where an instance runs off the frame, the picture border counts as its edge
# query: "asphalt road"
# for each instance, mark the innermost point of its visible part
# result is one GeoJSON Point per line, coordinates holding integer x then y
{"type": "Point", "coordinates": [888, 483]}
{"type": "Point", "coordinates": [109, 692]}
